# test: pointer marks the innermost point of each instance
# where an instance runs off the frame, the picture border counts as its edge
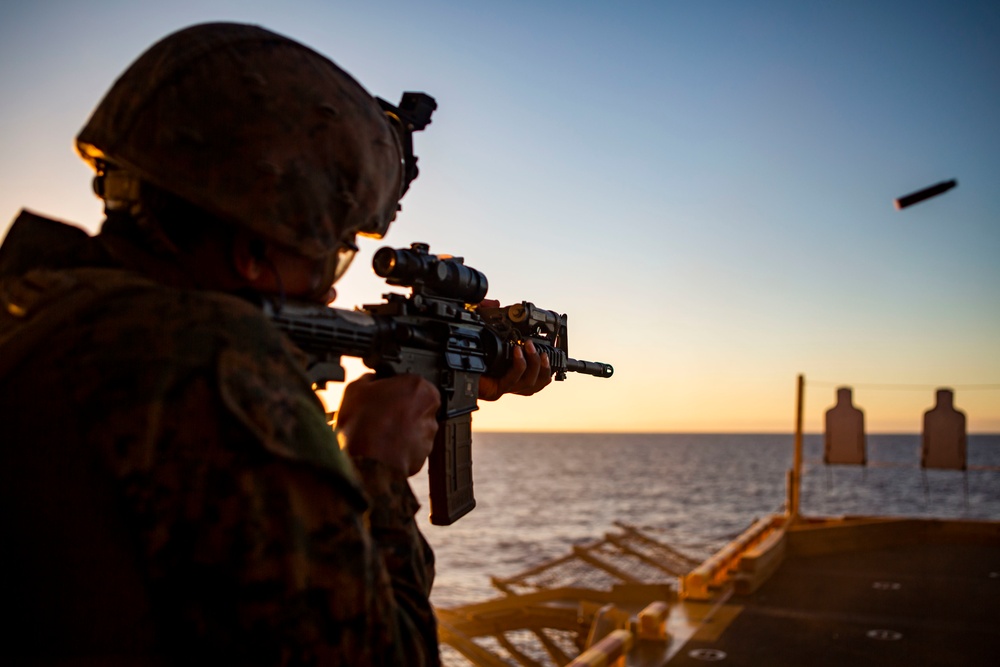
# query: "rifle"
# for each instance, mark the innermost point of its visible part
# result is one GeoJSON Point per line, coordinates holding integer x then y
{"type": "Point", "coordinates": [439, 333]}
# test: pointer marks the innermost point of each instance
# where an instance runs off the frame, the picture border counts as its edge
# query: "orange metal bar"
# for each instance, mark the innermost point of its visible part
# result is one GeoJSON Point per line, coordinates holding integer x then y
{"type": "Point", "coordinates": [609, 652]}
{"type": "Point", "coordinates": [697, 583]}
{"type": "Point", "coordinates": [795, 481]}
{"type": "Point", "coordinates": [653, 620]}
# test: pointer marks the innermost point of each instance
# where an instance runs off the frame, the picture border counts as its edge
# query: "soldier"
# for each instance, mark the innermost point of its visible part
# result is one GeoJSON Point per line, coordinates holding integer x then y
{"type": "Point", "coordinates": [172, 491]}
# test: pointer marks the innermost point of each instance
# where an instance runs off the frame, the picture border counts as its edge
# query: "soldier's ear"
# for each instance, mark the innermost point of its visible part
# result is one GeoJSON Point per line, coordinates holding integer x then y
{"type": "Point", "coordinates": [249, 257]}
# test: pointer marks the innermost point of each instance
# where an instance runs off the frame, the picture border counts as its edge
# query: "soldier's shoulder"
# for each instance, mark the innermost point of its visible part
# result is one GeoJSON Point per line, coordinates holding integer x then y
{"type": "Point", "coordinates": [256, 373]}
{"type": "Point", "coordinates": [143, 311]}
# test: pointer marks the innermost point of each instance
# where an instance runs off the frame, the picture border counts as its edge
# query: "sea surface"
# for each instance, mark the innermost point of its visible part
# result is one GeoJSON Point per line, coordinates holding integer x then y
{"type": "Point", "coordinates": [540, 494]}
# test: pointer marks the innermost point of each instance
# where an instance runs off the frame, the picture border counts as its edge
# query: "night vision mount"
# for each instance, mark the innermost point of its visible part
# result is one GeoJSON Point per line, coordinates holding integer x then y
{"type": "Point", "coordinates": [412, 115]}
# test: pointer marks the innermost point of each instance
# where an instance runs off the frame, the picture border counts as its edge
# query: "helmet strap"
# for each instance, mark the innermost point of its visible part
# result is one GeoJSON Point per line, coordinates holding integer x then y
{"type": "Point", "coordinates": [266, 262]}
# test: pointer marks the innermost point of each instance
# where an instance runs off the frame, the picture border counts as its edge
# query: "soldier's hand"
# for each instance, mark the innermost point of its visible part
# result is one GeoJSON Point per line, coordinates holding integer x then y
{"type": "Point", "coordinates": [392, 420]}
{"type": "Point", "coordinates": [529, 373]}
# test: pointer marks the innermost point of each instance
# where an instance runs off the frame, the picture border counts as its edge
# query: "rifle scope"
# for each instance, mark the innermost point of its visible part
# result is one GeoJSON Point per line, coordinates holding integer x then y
{"type": "Point", "coordinates": [443, 277]}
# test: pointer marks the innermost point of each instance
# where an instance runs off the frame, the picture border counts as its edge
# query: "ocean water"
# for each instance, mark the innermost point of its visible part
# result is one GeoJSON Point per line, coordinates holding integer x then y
{"type": "Point", "coordinates": [540, 494]}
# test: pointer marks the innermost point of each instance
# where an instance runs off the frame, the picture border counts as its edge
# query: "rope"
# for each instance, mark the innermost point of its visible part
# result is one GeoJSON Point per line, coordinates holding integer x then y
{"type": "Point", "coordinates": [906, 387]}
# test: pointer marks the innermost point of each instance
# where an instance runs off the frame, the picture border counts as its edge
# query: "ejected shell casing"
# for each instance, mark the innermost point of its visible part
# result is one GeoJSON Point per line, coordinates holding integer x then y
{"type": "Point", "coordinates": [926, 193]}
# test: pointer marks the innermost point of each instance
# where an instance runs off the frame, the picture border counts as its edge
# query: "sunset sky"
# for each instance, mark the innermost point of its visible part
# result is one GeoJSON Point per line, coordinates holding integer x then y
{"type": "Point", "coordinates": [704, 187]}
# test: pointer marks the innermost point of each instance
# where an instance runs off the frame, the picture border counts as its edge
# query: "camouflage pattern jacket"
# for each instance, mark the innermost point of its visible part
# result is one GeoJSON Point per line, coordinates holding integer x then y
{"type": "Point", "coordinates": [172, 492]}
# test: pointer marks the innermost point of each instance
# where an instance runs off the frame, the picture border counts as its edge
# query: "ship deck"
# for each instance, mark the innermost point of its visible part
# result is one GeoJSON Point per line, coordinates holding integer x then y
{"type": "Point", "coordinates": [869, 593]}
{"type": "Point", "coordinates": [845, 591]}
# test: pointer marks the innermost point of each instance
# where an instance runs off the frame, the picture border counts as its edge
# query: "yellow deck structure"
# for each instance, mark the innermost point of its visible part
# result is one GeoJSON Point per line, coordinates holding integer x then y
{"type": "Point", "coordinates": [830, 578]}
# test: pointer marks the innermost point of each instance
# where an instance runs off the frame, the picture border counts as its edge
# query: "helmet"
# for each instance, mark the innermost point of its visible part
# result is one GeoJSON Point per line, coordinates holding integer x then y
{"type": "Point", "coordinates": [256, 129]}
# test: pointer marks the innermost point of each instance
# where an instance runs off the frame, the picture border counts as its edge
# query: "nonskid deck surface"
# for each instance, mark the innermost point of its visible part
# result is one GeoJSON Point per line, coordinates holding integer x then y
{"type": "Point", "coordinates": [917, 604]}
{"type": "Point", "coordinates": [852, 591]}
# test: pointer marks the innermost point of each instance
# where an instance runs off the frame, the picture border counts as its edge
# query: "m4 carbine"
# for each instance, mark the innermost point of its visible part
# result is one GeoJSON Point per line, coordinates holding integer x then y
{"type": "Point", "coordinates": [440, 333]}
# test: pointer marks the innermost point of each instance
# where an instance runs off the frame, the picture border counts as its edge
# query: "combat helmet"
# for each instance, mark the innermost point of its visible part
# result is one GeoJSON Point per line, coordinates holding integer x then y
{"type": "Point", "coordinates": [258, 130]}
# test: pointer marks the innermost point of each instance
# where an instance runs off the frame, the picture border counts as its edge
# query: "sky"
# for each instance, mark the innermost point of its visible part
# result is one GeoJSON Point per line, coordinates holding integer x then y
{"type": "Point", "coordinates": [705, 188]}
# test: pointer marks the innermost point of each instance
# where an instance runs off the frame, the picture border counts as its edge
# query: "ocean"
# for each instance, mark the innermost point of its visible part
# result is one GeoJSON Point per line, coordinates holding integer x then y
{"type": "Point", "coordinates": [540, 494]}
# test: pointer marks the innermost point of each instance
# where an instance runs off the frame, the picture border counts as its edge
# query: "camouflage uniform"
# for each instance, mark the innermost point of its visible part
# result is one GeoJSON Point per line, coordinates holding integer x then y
{"type": "Point", "coordinates": [172, 491]}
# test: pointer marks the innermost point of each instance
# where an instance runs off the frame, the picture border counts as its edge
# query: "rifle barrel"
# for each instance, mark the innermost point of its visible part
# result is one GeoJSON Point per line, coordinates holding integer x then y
{"type": "Point", "coordinates": [595, 368]}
